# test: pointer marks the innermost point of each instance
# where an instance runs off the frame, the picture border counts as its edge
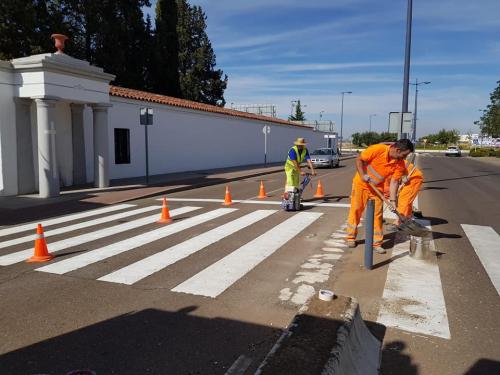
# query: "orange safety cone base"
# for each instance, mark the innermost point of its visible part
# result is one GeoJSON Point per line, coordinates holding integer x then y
{"type": "Point", "coordinates": [40, 258]}
{"type": "Point", "coordinates": [164, 221]}
{"type": "Point", "coordinates": [227, 198]}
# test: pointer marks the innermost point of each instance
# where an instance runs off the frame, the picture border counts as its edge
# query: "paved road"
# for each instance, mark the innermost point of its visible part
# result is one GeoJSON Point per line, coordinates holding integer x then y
{"type": "Point", "coordinates": [223, 281]}
{"type": "Point", "coordinates": [127, 296]}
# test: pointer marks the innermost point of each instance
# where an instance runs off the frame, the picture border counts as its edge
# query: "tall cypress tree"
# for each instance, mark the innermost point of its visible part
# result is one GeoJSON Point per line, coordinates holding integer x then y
{"type": "Point", "coordinates": [199, 80]}
{"type": "Point", "coordinates": [166, 59]}
{"type": "Point", "coordinates": [299, 114]}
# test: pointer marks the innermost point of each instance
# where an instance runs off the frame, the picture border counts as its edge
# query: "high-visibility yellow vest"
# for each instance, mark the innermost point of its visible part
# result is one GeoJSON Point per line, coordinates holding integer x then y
{"type": "Point", "coordinates": [300, 156]}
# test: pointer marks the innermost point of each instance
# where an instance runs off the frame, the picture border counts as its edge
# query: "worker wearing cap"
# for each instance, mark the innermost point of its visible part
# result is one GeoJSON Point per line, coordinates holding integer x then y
{"type": "Point", "coordinates": [296, 155]}
{"type": "Point", "coordinates": [375, 164]}
{"type": "Point", "coordinates": [411, 182]}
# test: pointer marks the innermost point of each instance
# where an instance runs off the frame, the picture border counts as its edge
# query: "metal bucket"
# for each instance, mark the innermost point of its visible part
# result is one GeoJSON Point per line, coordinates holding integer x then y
{"type": "Point", "coordinates": [420, 247]}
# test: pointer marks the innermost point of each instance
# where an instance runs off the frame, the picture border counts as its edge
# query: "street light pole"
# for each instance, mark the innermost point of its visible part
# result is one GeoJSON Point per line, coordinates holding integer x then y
{"type": "Point", "coordinates": [414, 133]}
{"type": "Point", "coordinates": [342, 118]}
{"type": "Point", "coordinates": [371, 121]}
{"type": "Point", "coordinates": [407, 64]}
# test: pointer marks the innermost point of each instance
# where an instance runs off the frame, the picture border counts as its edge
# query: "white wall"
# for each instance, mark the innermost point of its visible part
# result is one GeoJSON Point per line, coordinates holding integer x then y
{"type": "Point", "coordinates": [8, 148]}
{"type": "Point", "coordinates": [186, 140]}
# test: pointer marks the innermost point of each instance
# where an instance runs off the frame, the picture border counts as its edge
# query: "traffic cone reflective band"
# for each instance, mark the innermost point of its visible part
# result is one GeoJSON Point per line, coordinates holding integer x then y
{"type": "Point", "coordinates": [165, 213]}
{"type": "Point", "coordinates": [262, 191]}
{"type": "Point", "coordinates": [41, 252]}
{"type": "Point", "coordinates": [227, 198]}
{"type": "Point", "coordinates": [319, 191]}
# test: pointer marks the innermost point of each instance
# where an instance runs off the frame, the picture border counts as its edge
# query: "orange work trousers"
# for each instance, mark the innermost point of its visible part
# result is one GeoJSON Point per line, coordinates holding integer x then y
{"type": "Point", "coordinates": [359, 199]}
{"type": "Point", "coordinates": [407, 195]}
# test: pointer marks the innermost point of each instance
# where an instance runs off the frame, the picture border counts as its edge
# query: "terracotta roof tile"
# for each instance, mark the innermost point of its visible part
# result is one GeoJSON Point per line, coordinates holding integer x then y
{"type": "Point", "coordinates": [168, 100]}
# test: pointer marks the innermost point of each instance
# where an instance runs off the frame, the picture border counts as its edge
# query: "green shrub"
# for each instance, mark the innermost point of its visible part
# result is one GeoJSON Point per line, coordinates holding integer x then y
{"type": "Point", "coordinates": [480, 152]}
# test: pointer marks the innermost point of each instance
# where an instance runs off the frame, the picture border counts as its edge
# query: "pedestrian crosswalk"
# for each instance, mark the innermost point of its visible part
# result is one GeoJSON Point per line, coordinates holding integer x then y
{"type": "Point", "coordinates": [86, 239]}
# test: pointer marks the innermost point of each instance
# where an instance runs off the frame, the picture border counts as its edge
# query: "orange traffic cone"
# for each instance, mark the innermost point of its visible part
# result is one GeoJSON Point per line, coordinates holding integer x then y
{"type": "Point", "coordinates": [227, 198]}
{"type": "Point", "coordinates": [262, 191]}
{"type": "Point", "coordinates": [41, 252]}
{"type": "Point", "coordinates": [319, 191]}
{"type": "Point", "coordinates": [165, 213]}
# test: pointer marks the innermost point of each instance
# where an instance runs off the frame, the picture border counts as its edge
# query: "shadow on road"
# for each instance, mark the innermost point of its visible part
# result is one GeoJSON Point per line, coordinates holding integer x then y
{"type": "Point", "coordinates": [394, 362]}
{"type": "Point", "coordinates": [484, 367]}
{"type": "Point", "coordinates": [462, 177]}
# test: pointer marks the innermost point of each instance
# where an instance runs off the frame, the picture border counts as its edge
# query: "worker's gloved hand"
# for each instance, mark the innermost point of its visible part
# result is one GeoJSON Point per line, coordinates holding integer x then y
{"type": "Point", "coordinates": [302, 173]}
{"type": "Point", "coordinates": [314, 173]}
{"type": "Point", "coordinates": [366, 178]}
{"type": "Point", "coordinates": [404, 180]}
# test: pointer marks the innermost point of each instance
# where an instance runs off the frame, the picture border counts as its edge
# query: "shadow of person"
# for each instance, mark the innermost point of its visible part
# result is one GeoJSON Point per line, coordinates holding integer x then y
{"type": "Point", "coordinates": [484, 367]}
{"type": "Point", "coordinates": [394, 361]}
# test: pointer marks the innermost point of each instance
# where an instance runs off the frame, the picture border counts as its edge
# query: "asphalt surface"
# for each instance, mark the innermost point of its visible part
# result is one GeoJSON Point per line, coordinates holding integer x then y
{"type": "Point", "coordinates": [52, 324]}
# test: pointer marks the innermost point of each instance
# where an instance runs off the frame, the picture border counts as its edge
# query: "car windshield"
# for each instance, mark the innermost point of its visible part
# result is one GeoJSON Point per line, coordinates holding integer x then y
{"type": "Point", "coordinates": [322, 151]}
{"type": "Point", "coordinates": [452, 148]}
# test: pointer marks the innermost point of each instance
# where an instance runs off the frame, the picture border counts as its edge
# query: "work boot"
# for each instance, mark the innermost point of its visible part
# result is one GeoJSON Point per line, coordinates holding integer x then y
{"type": "Point", "coordinates": [351, 243]}
{"type": "Point", "coordinates": [379, 249]}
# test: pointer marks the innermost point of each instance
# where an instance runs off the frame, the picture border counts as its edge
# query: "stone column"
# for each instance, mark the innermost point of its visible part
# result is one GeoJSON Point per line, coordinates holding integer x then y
{"type": "Point", "coordinates": [101, 145]}
{"type": "Point", "coordinates": [79, 164]}
{"type": "Point", "coordinates": [25, 166]}
{"type": "Point", "coordinates": [48, 177]}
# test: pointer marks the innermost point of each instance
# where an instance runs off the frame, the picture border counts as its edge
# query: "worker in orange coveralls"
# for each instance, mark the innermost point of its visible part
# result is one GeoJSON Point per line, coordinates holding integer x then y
{"type": "Point", "coordinates": [376, 164]}
{"type": "Point", "coordinates": [411, 183]}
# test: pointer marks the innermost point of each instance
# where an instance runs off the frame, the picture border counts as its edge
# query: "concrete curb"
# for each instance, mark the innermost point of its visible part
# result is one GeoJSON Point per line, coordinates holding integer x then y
{"type": "Point", "coordinates": [327, 338]}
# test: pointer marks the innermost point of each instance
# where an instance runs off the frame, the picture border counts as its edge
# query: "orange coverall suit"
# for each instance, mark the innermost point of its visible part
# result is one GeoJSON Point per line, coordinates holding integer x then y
{"type": "Point", "coordinates": [409, 191]}
{"type": "Point", "coordinates": [379, 166]}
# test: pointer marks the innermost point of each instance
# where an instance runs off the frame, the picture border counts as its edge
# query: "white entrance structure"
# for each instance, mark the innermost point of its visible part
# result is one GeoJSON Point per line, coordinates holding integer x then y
{"type": "Point", "coordinates": [39, 151]}
{"type": "Point", "coordinates": [63, 124]}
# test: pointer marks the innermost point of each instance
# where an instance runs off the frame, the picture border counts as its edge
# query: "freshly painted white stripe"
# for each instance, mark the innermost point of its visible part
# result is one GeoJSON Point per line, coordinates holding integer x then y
{"type": "Point", "coordinates": [215, 279]}
{"type": "Point", "coordinates": [308, 204]}
{"type": "Point", "coordinates": [146, 267]}
{"type": "Point", "coordinates": [116, 248]}
{"type": "Point", "coordinates": [486, 244]}
{"type": "Point", "coordinates": [413, 296]}
{"type": "Point", "coordinates": [77, 226]}
{"type": "Point", "coordinates": [240, 366]}
{"type": "Point", "coordinates": [62, 219]}
{"type": "Point", "coordinates": [19, 256]}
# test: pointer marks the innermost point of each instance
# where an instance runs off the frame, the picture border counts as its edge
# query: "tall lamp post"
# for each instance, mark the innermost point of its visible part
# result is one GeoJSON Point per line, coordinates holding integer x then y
{"type": "Point", "coordinates": [371, 121]}
{"type": "Point", "coordinates": [342, 118]}
{"type": "Point", "coordinates": [416, 84]}
{"type": "Point", "coordinates": [406, 78]}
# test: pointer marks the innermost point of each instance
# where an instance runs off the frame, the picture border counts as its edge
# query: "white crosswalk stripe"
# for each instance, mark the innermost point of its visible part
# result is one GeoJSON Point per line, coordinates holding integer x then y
{"type": "Point", "coordinates": [63, 219]}
{"type": "Point", "coordinates": [22, 255]}
{"type": "Point", "coordinates": [77, 226]}
{"type": "Point", "coordinates": [215, 279]}
{"type": "Point", "coordinates": [486, 244]}
{"type": "Point", "coordinates": [146, 267]}
{"type": "Point", "coordinates": [116, 248]}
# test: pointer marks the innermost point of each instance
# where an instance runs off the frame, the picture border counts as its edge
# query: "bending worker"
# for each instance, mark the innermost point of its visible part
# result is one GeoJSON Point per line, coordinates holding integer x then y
{"type": "Point", "coordinates": [296, 155]}
{"type": "Point", "coordinates": [411, 182]}
{"type": "Point", "coordinates": [375, 164]}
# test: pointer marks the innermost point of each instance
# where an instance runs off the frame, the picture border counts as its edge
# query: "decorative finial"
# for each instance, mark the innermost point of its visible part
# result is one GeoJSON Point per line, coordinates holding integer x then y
{"type": "Point", "coordinates": [59, 41]}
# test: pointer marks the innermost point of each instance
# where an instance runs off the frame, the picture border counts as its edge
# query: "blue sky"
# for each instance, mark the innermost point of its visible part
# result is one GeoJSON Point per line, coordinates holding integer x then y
{"type": "Point", "coordinates": [283, 50]}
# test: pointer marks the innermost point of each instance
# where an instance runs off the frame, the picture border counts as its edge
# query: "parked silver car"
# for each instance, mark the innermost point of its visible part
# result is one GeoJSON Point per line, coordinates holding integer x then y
{"type": "Point", "coordinates": [453, 151]}
{"type": "Point", "coordinates": [325, 157]}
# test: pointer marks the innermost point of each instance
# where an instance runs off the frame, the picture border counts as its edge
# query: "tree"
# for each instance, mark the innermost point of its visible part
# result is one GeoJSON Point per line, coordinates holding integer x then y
{"type": "Point", "coordinates": [299, 114]}
{"type": "Point", "coordinates": [388, 137]}
{"type": "Point", "coordinates": [366, 138]}
{"type": "Point", "coordinates": [490, 120]}
{"type": "Point", "coordinates": [166, 61]}
{"type": "Point", "coordinates": [443, 137]}
{"type": "Point", "coordinates": [199, 79]}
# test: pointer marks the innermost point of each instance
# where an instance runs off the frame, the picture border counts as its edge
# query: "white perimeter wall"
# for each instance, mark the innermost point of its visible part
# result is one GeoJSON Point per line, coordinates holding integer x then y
{"type": "Point", "coordinates": [187, 140]}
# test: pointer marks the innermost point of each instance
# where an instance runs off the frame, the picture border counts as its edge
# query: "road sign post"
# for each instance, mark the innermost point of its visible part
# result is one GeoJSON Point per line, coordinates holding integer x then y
{"type": "Point", "coordinates": [266, 130]}
{"type": "Point", "coordinates": [146, 119]}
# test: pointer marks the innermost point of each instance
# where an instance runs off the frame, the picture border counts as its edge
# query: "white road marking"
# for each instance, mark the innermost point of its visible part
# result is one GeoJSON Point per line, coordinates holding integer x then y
{"type": "Point", "coordinates": [22, 255]}
{"type": "Point", "coordinates": [77, 226]}
{"type": "Point", "coordinates": [62, 219]}
{"type": "Point", "coordinates": [307, 204]}
{"type": "Point", "coordinates": [239, 366]}
{"type": "Point", "coordinates": [215, 279]}
{"type": "Point", "coordinates": [146, 267]}
{"type": "Point", "coordinates": [486, 244]}
{"type": "Point", "coordinates": [413, 296]}
{"type": "Point", "coordinates": [116, 248]}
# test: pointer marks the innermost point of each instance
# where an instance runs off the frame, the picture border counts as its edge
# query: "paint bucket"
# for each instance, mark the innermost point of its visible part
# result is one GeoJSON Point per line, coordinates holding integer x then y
{"type": "Point", "coordinates": [420, 247]}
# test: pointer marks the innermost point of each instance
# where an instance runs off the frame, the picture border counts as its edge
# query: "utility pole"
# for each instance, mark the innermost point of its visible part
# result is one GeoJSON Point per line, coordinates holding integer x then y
{"type": "Point", "coordinates": [342, 118]}
{"type": "Point", "coordinates": [414, 132]}
{"type": "Point", "coordinates": [406, 80]}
